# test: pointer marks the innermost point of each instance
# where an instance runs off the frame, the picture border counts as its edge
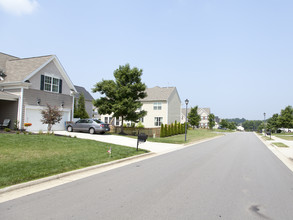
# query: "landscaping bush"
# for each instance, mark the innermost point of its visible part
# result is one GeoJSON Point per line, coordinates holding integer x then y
{"type": "Point", "coordinates": [7, 129]}
{"type": "Point", "coordinates": [166, 130]}
{"type": "Point", "coordinates": [175, 128]}
{"type": "Point", "coordinates": [162, 131]}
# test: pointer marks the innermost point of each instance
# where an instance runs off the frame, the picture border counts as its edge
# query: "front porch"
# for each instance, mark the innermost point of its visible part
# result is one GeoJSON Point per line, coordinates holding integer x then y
{"type": "Point", "coordinates": [8, 108]}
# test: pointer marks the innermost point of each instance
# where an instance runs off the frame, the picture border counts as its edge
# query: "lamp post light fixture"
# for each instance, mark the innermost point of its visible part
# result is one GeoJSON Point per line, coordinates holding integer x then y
{"type": "Point", "coordinates": [186, 102]}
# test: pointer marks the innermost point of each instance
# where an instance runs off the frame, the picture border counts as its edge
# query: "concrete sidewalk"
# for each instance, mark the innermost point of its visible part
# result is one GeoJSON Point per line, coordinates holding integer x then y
{"type": "Point", "coordinates": [283, 153]}
{"type": "Point", "coordinates": [125, 141]}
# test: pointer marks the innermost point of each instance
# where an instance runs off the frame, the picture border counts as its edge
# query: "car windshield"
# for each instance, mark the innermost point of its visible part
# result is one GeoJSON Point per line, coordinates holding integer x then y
{"type": "Point", "coordinates": [98, 121]}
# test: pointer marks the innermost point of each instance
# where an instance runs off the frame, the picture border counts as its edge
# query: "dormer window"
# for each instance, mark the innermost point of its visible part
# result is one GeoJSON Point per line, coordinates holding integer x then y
{"type": "Point", "coordinates": [51, 84]}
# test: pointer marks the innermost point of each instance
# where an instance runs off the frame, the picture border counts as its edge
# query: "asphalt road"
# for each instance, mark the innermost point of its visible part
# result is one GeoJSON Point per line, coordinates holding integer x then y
{"type": "Point", "coordinates": [233, 177]}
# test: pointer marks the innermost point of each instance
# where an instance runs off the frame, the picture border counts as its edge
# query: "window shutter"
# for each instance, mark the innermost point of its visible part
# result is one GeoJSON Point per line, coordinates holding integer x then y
{"type": "Point", "coordinates": [42, 82]}
{"type": "Point", "coordinates": [60, 86]}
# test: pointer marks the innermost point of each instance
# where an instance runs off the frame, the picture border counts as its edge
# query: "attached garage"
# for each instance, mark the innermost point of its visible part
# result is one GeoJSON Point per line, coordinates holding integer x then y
{"type": "Point", "coordinates": [33, 116]}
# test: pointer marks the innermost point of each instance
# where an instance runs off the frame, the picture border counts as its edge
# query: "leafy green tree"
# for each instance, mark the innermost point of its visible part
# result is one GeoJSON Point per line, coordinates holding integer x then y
{"type": "Point", "coordinates": [224, 123]}
{"type": "Point", "coordinates": [162, 133]}
{"type": "Point", "coordinates": [80, 110]}
{"type": "Point", "coordinates": [251, 125]}
{"type": "Point", "coordinates": [232, 125]}
{"type": "Point", "coordinates": [51, 116]}
{"type": "Point", "coordinates": [286, 117]}
{"type": "Point", "coordinates": [193, 117]}
{"type": "Point", "coordinates": [273, 123]}
{"type": "Point", "coordinates": [122, 96]}
{"type": "Point", "coordinates": [212, 122]}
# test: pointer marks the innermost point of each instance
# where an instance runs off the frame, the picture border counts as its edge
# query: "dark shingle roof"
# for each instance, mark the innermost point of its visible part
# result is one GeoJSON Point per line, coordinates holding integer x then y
{"type": "Point", "coordinates": [87, 95]}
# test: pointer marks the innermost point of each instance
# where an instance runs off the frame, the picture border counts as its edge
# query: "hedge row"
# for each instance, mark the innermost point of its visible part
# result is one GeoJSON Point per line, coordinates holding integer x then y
{"type": "Point", "coordinates": [172, 129]}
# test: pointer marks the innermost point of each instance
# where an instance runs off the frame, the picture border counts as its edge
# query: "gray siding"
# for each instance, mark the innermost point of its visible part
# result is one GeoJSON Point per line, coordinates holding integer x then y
{"type": "Point", "coordinates": [89, 108]}
{"type": "Point", "coordinates": [30, 97]}
{"type": "Point", "coordinates": [174, 108]}
{"type": "Point", "coordinates": [8, 110]}
{"type": "Point", "coordinates": [51, 69]}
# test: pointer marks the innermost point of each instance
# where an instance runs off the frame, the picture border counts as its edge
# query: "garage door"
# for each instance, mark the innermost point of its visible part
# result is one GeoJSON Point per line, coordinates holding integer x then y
{"type": "Point", "coordinates": [33, 116]}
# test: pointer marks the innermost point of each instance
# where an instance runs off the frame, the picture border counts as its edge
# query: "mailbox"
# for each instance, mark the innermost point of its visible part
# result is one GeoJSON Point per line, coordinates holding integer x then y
{"type": "Point", "coordinates": [142, 137]}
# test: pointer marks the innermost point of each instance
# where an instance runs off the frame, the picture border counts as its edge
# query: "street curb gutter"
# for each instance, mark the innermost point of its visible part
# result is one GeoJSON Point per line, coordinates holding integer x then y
{"type": "Point", "coordinates": [61, 175]}
{"type": "Point", "coordinates": [278, 153]}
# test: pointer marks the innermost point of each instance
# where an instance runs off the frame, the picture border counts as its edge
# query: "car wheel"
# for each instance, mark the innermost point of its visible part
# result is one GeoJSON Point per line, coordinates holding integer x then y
{"type": "Point", "coordinates": [92, 130]}
{"type": "Point", "coordinates": [103, 132]}
{"type": "Point", "coordinates": [69, 129]}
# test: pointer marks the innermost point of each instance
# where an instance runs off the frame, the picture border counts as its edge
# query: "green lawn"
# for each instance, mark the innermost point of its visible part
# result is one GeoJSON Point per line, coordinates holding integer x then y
{"type": "Point", "coordinates": [285, 136]}
{"type": "Point", "coordinates": [28, 157]}
{"type": "Point", "coordinates": [192, 136]}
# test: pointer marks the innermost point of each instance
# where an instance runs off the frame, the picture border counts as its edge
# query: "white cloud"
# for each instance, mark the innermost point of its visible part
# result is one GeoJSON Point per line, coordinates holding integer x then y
{"type": "Point", "coordinates": [19, 7]}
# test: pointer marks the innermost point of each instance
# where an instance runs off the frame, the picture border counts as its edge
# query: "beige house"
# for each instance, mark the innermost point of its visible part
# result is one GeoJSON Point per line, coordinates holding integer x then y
{"type": "Point", "coordinates": [163, 106]}
{"type": "Point", "coordinates": [27, 85]}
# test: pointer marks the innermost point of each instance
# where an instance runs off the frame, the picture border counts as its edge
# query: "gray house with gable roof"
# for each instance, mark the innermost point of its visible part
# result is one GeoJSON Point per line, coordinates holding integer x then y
{"type": "Point", "coordinates": [88, 99]}
{"type": "Point", "coordinates": [27, 85]}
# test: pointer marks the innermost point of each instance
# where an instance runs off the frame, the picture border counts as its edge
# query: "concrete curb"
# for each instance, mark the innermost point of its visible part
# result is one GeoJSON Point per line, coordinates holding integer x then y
{"type": "Point", "coordinates": [284, 158]}
{"type": "Point", "coordinates": [61, 175]}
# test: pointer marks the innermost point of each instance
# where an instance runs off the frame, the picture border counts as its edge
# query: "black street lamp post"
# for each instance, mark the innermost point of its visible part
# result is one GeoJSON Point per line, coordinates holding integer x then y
{"type": "Point", "coordinates": [186, 102]}
{"type": "Point", "coordinates": [264, 125]}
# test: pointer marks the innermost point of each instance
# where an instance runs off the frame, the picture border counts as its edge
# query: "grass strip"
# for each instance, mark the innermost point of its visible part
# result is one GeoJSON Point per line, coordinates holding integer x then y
{"type": "Point", "coordinates": [192, 136]}
{"type": "Point", "coordinates": [28, 157]}
{"type": "Point", "coordinates": [279, 144]}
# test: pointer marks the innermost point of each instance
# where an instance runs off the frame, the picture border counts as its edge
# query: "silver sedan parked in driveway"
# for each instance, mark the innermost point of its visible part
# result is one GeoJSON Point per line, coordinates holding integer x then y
{"type": "Point", "coordinates": [88, 125]}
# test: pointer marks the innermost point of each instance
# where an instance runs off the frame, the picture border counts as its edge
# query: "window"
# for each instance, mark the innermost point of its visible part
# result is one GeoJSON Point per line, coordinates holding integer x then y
{"type": "Point", "coordinates": [158, 121]}
{"type": "Point", "coordinates": [141, 120]}
{"type": "Point", "coordinates": [106, 120]}
{"type": "Point", "coordinates": [51, 84]}
{"type": "Point", "coordinates": [157, 105]}
{"type": "Point", "coordinates": [117, 121]}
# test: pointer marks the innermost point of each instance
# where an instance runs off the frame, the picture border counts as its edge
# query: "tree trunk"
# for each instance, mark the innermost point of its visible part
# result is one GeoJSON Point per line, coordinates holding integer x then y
{"type": "Point", "coordinates": [49, 127]}
{"type": "Point", "coordinates": [122, 131]}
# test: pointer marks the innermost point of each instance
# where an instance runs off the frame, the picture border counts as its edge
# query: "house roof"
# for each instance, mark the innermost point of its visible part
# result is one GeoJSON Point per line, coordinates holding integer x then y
{"type": "Point", "coordinates": [199, 111]}
{"type": "Point", "coordinates": [18, 69]}
{"type": "Point", "coordinates": [21, 69]}
{"type": "Point", "coordinates": [87, 95]}
{"type": "Point", "coordinates": [158, 93]}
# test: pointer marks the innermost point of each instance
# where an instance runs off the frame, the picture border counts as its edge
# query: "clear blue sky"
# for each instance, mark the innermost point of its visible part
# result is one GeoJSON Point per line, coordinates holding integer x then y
{"type": "Point", "coordinates": [234, 56]}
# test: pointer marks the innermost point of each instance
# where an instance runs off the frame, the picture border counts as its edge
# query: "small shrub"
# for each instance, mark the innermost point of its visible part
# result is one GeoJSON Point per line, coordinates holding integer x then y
{"type": "Point", "coordinates": [40, 132]}
{"type": "Point", "coordinates": [17, 132]}
{"type": "Point", "coordinates": [140, 125]}
{"type": "Point", "coordinates": [7, 129]}
{"type": "Point", "coordinates": [175, 128]}
{"type": "Point", "coordinates": [24, 132]}
{"type": "Point", "coordinates": [74, 136]}
{"type": "Point", "coordinates": [30, 133]}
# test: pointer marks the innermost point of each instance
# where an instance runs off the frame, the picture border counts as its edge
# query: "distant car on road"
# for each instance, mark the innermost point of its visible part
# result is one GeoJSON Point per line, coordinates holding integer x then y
{"type": "Point", "coordinates": [88, 125]}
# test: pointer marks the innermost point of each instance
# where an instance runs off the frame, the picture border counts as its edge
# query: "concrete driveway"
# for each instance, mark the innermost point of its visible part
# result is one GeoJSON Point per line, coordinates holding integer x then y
{"type": "Point", "coordinates": [125, 141]}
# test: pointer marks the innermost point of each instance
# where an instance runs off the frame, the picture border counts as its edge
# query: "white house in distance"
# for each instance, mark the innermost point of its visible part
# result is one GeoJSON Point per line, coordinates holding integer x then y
{"type": "Point", "coordinates": [163, 106]}
{"type": "Point", "coordinates": [203, 113]}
